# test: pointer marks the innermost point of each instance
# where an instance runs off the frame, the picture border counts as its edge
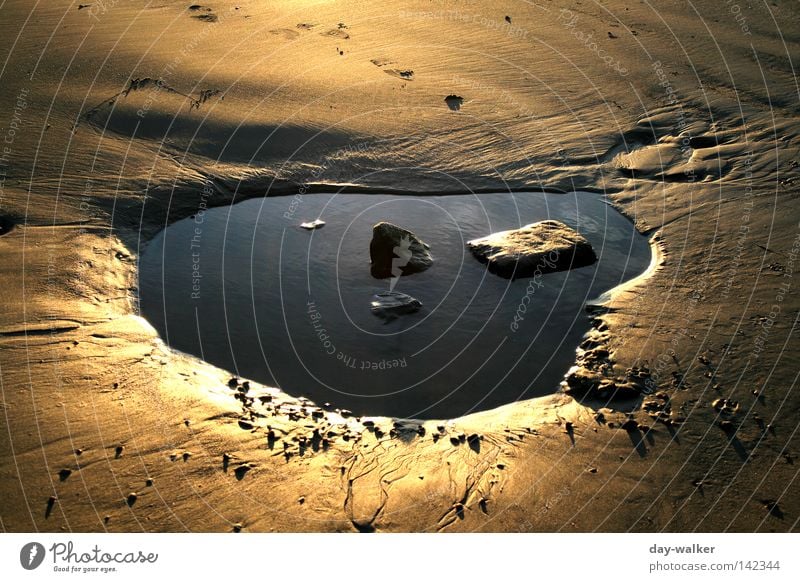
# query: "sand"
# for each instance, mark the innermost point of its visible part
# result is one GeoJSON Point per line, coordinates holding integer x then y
{"type": "Point", "coordinates": [120, 118]}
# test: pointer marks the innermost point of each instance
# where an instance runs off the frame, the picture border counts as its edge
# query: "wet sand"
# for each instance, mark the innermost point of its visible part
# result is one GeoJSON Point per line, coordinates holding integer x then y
{"type": "Point", "coordinates": [685, 406]}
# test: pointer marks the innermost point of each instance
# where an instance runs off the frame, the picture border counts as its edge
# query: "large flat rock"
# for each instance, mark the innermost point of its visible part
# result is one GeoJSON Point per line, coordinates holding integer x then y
{"type": "Point", "coordinates": [538, 248]}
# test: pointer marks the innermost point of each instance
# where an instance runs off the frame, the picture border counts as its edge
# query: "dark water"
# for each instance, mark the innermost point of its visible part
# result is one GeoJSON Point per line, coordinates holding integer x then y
{"type": "Point", "coordinates": [291, 308]}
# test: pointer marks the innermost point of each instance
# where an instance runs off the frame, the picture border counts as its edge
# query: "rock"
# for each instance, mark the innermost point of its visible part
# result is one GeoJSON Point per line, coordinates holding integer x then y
{"type": "Point", "coordinates": [389, 304]}
{"type": "Point", "coordinates": [395, 251]}
{"type": "Point", "coordinates": [313, 225]}
{"type": "Point", "coordinates": [131, 499]}
{"type": "Point", "coordinates": [535, 249]}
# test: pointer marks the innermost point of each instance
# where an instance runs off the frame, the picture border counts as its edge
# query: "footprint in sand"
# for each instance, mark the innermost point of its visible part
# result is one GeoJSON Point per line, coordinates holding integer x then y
{"type": "Point", "coordinates": [286, 33]}
{"type": "Point", "coordinates": [203, 13]}
{"type": "Point", "coordinates": [405, 74]}
{"type": "Point", "coordinates": [454, 102]}
{"type": "Point", "coordinates": [336, 33]}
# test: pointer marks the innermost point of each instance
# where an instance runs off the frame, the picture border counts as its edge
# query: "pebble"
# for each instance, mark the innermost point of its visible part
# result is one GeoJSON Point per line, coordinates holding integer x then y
{"type": "Point", "coordinates": [118, 451]}
{"type": "Point", "coordinates": [131, 499]}
{"type": "Point", "coordinates": [315, 224]}
{"type": "Point", "coordinates": [149, 482]}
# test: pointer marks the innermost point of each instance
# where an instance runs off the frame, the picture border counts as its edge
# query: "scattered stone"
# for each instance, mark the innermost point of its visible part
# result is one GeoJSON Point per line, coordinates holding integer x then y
{"type": "Point", "coordinates": [301, 500]}
{"type": "Point", "coordinates": [313, 225]}
{"type": "Point", "coordinates": [131, 499]}
{"type": "Point", "coordinates": [390, 304]}
{"type": "Point", "coordinates": [630, 425]}
{"type": "Point", "coordinates": [118, 451]}
{"type": "Point", "coordinates": [149, 482]}
{"type": "Point", "coordinates": [772, 507]}
{"type": "Point", "coordinates": [245, 424]}
{"type": "Point", "coordinates": [233, 382]}
{"type": "Point", "coordinates": [241, 471]}
{"type": "Point", "coordinates": [237, 527]}
{"type": "Point", "coordinates": [395, 251]}
{"type": "Point", "coordinates": [64, 474]}
{"type": "Point", "coordinates": [535, 249]}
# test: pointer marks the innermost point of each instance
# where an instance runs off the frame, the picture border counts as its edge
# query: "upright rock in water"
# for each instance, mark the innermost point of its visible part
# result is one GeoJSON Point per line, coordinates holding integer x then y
{"type": "Point", "coordinates": [395, 251]}
{"type": "Point", "coordinates": [538, 248]}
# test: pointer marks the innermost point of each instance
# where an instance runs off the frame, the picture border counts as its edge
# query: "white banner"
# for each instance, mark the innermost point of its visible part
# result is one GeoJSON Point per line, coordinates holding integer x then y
{"type": "Point", "coordinates": [406, 557]}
